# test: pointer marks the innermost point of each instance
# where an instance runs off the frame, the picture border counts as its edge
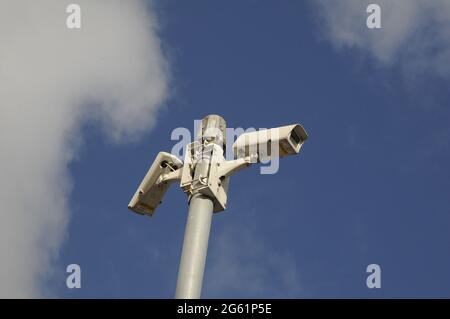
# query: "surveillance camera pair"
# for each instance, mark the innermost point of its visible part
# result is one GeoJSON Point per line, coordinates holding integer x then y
{"type": "Point", "coordinates": [206, 171]}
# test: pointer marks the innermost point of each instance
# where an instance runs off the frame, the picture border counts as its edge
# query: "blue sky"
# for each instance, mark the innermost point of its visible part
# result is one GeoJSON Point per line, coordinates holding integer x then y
{"type": "Point", "coordinates": [371, 184]}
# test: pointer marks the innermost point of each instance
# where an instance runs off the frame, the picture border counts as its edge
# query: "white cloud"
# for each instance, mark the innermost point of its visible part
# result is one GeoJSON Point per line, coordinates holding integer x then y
{"type": "Point", "coordinates": [243, 264]}
{"type": "Point", "coordinates": [414, 33]}
{"type": "Point", "coordinates": [52, 79]}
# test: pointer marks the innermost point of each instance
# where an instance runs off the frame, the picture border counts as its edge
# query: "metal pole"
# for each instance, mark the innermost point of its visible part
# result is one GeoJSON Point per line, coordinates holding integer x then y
{"type": "Point", "coordinates": [195, 246]}
{"type": "Point", "coordinates": [198, 225]}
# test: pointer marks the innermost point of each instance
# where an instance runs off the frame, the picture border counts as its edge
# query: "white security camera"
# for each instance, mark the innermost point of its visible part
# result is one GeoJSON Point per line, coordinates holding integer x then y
{"type": "Point", "coordinates": [267, 143]}
{"type": "Point", "coordinates": [165, 170]}
{"type": "Point", "coordinates": [204, 177]}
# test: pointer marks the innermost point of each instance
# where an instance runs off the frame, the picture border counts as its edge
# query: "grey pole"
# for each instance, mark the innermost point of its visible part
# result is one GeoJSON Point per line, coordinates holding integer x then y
{"type": "Point", "coordinates": [195, 246]}
{"type": "Point", "coordinates": [198, 225]}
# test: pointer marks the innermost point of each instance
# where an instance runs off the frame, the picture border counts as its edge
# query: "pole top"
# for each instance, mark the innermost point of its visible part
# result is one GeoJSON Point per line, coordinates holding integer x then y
{"type": "Point", "coordinates": [213, 129]}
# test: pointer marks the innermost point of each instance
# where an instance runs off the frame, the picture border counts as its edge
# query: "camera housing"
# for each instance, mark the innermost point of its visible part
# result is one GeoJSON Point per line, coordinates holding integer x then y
{"type": "Point", "coordinates": [284, 140]}
{"type": "Point", "coordinates": [163, 172]}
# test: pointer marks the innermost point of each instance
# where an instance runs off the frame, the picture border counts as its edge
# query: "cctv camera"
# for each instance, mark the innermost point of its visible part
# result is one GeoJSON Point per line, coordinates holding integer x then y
{"type": "Point", "coordinates": [279, 141]}
{"type": "Point", "coordinates": [164, 170]}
